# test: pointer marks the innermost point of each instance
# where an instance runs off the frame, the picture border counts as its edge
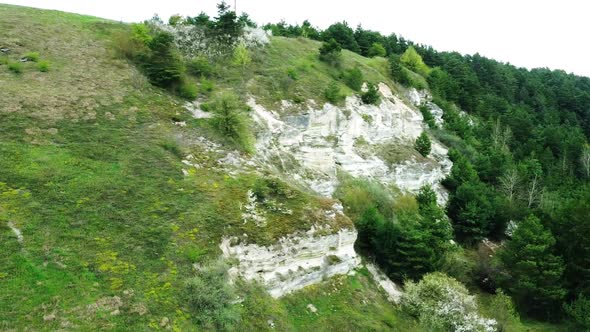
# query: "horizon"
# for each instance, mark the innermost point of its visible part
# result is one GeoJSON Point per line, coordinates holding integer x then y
{"type": "Point", "coordinates": [524, 39]}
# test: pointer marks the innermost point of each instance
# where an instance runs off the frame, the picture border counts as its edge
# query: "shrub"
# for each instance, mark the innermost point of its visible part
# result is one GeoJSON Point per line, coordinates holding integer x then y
{"type": "Point", "coordinates": [43, 66]}
{"type": "Point", "coordinates": [188, 90]}
{"type": "Point", "coordinates": [398, 72]}
{"type": "Point", "coordinates": [3, 60]}
{"type": "Point", "coordinates": [206, 86]}
{"type": "Point", "coordinates": [427, 115]}
{"type": "Point", "coordinates": [331, 52]}
{"type": "Point", "coordinates": [333, 93]}
{"type": "Point", "coordinates": [442, 303]}
{"type": "Point", "coordinates": [162, 65]}
{"type": "Point", "coordinates": [353, 78]}
{"type": "Point", "coordinates": [241, 56]}
{"type": "Point", "coordinates": [579, 313]}
{"type": "Point", "coordinates": [377, 49]}
{"type": "Point", "coordinates": [371, 96]}
{"type": "Point", "coordinates": [230, 120]}
{"type": "Point", "coordinates": [423, 144]}
{"type": "Point", "coordinates": [15, 67]}
{"type": "Point", "coordinates": [292, 74]}
{"type": "Point", "coordinates": [31, 56]}
{"type": "Point", "coordinates": [200, 66]}
{"type": "Point", "coordinates": [209, 298]}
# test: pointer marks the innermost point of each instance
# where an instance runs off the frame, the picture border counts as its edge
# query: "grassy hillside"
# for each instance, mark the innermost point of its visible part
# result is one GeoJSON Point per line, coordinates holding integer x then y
{"type": "Point", "coordinates": [90, 172]}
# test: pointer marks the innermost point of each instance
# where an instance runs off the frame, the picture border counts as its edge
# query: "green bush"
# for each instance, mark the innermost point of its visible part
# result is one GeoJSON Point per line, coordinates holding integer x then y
{"type": "Point", "coordinates": [32, 56]}
{"type": "Point", "coordinates": [579, 313]}
{"type": "Point", "coordinates": [398, 72]}
{"type": "Point", "coordinates": [333, 93]}
{"type": "Point", "coordinates": [3, 60]}
{"type": "Point", "coordinates": [188, 90]}
{"type": "Point", "coordinates": [43, 66]}
{"type": "Point", "coordinates": [353, 78]}
{"type": "Point", "coordinates": [377, 49]}
{"type": "Point", "coordinates": [371, 96]}
{"type": "Point", "coordinates": [331, 52]}
{"type": "Point", "coordinates": [15, 67]}
{"type": "Point", "coordinates": [423, 144]}
{"type": "Point", "coordinates": [427, 115]}
{"type": "Point", "coordinates": [200, 66]}
{"type": "Point", "coordinates": [414, 61]}
{"type": "Point", "coordinates": [206, 86]}
{"type": "Point", "coordinates": [231, 121]}
{"type": "Point", "coordinates": [209, 298]}
{"type": "Point", "coordinates": [162, 64]}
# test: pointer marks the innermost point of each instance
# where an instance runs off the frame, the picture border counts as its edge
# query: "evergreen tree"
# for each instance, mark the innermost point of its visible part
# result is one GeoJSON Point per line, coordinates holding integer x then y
{"type": "Point", "coordinates": [470, 209]}
{"type": "Point", "coordinates": [533, 273]}
{"type": "Point", "coordinates": [162, 65]}
{"type": "Point", "coordinates": [343, 34]}
{"type": "Point", "coordinates": [331, 52]}
{"type": "Point", "coordinates": [367, 226]}
{"type": "Point", "coordinates": [226, 26]}
{"type": "Point", "coordinates": [371, 96]}
{"type": "Point", "coordinates": [398, 73]}
{"type": "Point", "coordinates": [423, 144]}
{"type": "Point", "coordinates": [353, 78]}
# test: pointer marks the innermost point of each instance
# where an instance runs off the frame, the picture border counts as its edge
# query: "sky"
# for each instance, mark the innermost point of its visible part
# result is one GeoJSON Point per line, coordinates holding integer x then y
{"type": "Point", "coordinates": [525, 33]}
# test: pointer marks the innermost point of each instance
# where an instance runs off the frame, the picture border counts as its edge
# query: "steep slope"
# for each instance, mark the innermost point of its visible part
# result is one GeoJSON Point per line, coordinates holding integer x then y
{"type": "Point", "coordinates": [100, 228]}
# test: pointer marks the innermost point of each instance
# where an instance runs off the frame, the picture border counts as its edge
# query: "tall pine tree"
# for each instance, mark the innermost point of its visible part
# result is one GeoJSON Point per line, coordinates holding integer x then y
{"type": "Point", "coordinates": [533, 273]}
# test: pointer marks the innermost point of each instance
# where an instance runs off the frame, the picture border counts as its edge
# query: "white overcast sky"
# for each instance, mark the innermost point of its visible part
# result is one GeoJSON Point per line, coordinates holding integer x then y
{"type": "Point", "coordinates": [530, 34]}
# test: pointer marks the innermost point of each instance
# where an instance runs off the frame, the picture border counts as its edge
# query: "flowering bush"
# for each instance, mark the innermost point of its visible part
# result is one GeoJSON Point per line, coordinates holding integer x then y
{"type": "Point", "coordinates": [443, 303]}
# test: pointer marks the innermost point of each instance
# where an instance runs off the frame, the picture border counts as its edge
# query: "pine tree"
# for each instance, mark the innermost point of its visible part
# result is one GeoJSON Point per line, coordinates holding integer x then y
{"type": "Point", "coordinates": [534, 273]}
{"type": "Point", "coordinates": [423, 144]}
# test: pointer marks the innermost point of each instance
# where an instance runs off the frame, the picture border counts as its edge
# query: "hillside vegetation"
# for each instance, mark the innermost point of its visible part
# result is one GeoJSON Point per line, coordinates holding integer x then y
{"type": "Point", "coordinates": [126, 158]}
{"type": "Point", "coordinates": [90, 173]}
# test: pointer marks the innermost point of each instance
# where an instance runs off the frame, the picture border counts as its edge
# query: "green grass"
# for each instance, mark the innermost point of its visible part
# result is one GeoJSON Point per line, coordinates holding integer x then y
{"type": "Point", "coordinates": [346, 303]}
{"type": "Point", "coordinates": [91, 173]}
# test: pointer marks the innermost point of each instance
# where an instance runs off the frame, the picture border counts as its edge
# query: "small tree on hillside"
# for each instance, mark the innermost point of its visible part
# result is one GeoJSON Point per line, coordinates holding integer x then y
{"type": "Point", "coordinates": [331, 52]}
{"type": "Point", "coordinates": [241, 56]}
{"type": "Point", "coordinates": [230, 120]}
{"type": "Point", "coordinates": [398, 73]}
{"type": "Point", "coordinates": [533, 273]}
{"type": "Point", "coordinates": [162, 64]}
{"type": "Point", "coordinates": [353, 78]}
{"type": "Point", "coordinates": [371, 96]}
{"type": "Point", "coordinates": [377, 49]}
{"type": "Point", "coordinates": [423, 144]}
{"type": "Point", "coordinates": [414, 61]}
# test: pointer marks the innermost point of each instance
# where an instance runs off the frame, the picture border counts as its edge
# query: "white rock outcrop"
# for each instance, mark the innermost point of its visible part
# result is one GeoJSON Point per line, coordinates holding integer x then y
{"type": "Point", "coordinates": [294, 262]}
{"type": "Point", "coordinates": [322, 141]}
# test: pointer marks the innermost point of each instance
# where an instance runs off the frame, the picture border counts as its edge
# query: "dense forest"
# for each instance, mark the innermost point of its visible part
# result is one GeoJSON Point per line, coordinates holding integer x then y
{"type": "Point", "coordinates": [519, 143]}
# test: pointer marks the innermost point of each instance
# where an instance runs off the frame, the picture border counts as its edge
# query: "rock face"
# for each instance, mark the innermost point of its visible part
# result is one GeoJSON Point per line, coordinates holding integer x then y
{"type": "Point", "coordinates": [313, 146]}
{"type": "Point", "coordinates": [296, 261]}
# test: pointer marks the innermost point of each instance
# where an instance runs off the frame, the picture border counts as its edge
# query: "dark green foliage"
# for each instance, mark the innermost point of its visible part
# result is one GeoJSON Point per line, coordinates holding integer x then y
{"type": "Point", "coordinates": [231, 121]}
{"type": "Point", "coordinates": [226, 27]}
{"type": "Point", "coordinates": [471, 211]}
{"type": "Point", "coordinates": [371, 96]}
{"type": "Point", "coordinates": [343, 34]}
{"type": "Point", "coordinates": [331, 52]}
{"type": "Point", "coordinates": [426, 196]}
{"type": "Point", "coordinates": [353, 78]}
{"type": "Point", "coordinates": [209, 298]}
{"type": "Point", "coordinates": [200, 66]}
{"type": "Point", "coordinates": [423, 144]}
{"type": "Point", "coordinates": [533, 273]}
{"type": "Point", "coordinates": [162, 65]}
{"type": "Point", "coordinates": [427, 115]}
{"type": "Point", "coordinates": [366, 226]}
{"type": "Point", "coordinates": [398, 72]}
{"type": "Point", "coordinates": [377, 50]}
{"type": "Point", "coordinates": [579, 313]}
{"type": "Point", "coordinates": [333, 93]}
